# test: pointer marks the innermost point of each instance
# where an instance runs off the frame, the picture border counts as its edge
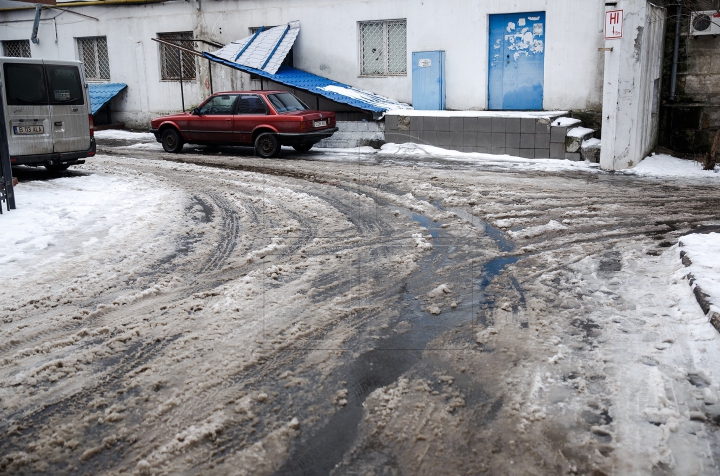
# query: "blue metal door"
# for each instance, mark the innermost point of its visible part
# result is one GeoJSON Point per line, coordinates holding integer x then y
{"type": "Point", "coordinates": [517, 61]}
{"type": "Point", "coordinates": [428, 79]}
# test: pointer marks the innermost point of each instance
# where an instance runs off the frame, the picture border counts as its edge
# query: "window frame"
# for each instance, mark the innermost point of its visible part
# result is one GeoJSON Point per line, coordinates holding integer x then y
{"type": "Point", "coordinates": [188, 43]}
{"type": "Point", "coordinates": [96, 51]}
{"type": "Point", "coordinates": [233, 107]}
{"type": "Point", "coordinates": [22, 42]}
{"type": "Point", "coordinates": [386, 47]}
{"type": "Point", "coordinates": [263, 101]}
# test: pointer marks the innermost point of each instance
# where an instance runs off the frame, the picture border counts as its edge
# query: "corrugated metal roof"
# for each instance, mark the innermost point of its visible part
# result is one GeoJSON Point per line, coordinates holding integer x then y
{"type": "Point", "coordinates": [100, 93]}
{"type": "Point", "coordinates": [264, 50]}
{"type": "Point", "coordinates": [328, 88]}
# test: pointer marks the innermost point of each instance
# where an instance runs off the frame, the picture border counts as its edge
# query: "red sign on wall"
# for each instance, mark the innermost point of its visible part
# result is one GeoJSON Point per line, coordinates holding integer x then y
{"type": "Point", "coordinates": [613, 24]}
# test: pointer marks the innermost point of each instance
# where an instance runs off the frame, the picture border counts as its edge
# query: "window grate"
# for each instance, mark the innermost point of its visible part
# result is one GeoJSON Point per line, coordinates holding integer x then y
{"type": "Point", "coordinates": [17, 48]}
{"type": "Point", "coordinates": [383, 48]}
{"type": "Point", "coordinates": [94, 55]}
{"type": "Point", "coordinates": [170, 60]}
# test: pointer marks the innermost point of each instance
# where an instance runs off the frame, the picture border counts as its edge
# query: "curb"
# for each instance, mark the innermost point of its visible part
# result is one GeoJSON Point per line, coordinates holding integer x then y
{"type": "Point", "coordinates": [702, 298]}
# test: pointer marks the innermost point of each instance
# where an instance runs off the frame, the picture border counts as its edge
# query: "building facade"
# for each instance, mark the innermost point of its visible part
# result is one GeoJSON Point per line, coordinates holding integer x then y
{"type": "Point", "coordinates": [367, 44]}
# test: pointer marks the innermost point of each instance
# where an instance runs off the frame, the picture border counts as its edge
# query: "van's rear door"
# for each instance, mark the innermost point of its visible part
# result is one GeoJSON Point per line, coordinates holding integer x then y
{"type": "Point", "coordinates": [29, 129]}
{"type": "Point", "coordinates": [69, 107]}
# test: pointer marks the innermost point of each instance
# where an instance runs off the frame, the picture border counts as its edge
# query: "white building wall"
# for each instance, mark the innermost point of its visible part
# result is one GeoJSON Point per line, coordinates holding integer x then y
{"type": "Point", "coordinates": [327, 45]}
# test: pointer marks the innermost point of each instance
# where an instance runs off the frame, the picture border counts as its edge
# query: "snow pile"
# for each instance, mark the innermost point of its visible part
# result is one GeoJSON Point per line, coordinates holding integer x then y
{"type": "Point", "coordinates": [704, 253]}
{"type": "Point", "coordinates": [508, 114]}
{"type": "Point", "coordinates": [117, 134]}
{"type": "Point", "coordinates": [566, 122]}
{"type": "Point", "coordinates": [579, 132]}
{"type": "Point", "coordinates": [662, 165]}
{"type": "Point", "coordinates": [59, 220]}
{"type": "Point", "coordinates": [592, 144]}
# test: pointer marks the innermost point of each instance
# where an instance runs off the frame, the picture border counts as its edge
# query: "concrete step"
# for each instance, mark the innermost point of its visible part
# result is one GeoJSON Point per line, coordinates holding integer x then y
{"type": "Point", "coordinates": [566, 122]}
{"type": "Point", "coordinates": [575, 137]}
{"type": "Point", "coordinates": [590, 150]}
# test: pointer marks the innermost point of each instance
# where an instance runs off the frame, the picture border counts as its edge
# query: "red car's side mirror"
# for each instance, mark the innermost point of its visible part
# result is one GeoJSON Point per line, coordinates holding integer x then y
{"type": "Point", "coordinates": [196, 112]}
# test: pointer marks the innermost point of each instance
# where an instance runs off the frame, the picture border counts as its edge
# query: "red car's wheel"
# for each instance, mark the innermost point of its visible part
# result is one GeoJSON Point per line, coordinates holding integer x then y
{"type": "Point", "coordinates": [267, 145]}
{"type": "Point", "coordinates": [171, 141]}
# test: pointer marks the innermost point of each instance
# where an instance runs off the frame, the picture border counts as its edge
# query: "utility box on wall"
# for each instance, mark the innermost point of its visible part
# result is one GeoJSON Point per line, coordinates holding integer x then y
{"type": "Point", "coordinates": [428, 80]}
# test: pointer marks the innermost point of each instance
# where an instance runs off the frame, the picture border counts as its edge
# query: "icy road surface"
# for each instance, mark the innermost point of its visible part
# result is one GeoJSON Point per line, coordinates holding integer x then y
{"type": "Point", "coordinates": [330, 313]}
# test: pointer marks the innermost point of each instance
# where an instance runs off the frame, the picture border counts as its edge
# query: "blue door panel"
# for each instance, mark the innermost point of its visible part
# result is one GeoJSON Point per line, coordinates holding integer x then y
{"type": "Point", "coordinates": [428, 80]}
{"type": "Point", "coordinates": [516, 67]}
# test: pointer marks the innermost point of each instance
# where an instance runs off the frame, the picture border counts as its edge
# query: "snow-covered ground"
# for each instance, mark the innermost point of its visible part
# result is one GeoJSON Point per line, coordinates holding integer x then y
{"type": "Point", "coordinates": [656, 165]}
{"type": "Point", "coordinates": [66, 221]}
{"type": "Point", "coordinates": [224, 314]}
{"type": "Point", "coordinates": [703, 251]}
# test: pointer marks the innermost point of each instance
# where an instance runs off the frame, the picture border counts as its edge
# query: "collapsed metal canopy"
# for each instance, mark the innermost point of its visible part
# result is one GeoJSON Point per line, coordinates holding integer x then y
{"type": "Point", "coordinates": [263, 53]}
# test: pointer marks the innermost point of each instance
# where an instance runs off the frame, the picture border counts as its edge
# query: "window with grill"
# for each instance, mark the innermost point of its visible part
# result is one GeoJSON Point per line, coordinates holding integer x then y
{"type": "Point", "coordinates": [383, 48]}
{"type": "Point", "coordinates": [173, 61]}
{"type": "Point", "coordinates": [16, 48]}
{"type": "Point", "coordinates": [94, 55]}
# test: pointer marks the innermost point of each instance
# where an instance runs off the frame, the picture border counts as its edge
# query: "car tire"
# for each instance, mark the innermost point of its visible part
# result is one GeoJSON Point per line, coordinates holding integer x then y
{"type": "Point", "coordinates": [57, 167]}
{"type": "Point", "coordinates": [267, 145]}
{"type": "Point", "coordinates": [172, 141]}
{"type": "Point", "coordinates": [303, 148]}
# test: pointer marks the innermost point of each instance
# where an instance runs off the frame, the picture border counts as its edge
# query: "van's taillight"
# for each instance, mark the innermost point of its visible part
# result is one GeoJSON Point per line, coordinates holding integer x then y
{"type": "Point", "coordinates": [92, 126]}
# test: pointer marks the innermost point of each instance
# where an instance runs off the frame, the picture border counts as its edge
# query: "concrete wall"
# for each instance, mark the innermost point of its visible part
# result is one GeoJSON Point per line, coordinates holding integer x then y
{"type": "Point", "coordinates": [356, 134]}
{"type": "Point", "coordinates": [327, 45]}
{"type": "Point", "coordinates": [689, 123]}
{"type": "Point", "coordinates": [632, 86]}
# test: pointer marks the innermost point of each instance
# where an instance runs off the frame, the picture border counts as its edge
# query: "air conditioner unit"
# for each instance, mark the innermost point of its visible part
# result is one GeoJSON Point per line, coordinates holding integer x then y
{"type": "Point", "coordinates": [705, 23]}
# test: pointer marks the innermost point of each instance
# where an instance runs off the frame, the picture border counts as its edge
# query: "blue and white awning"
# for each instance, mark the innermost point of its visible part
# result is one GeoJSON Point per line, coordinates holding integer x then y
{"type": "Point", "coordinates": [262, 54]}
{"type": "Point", "coordinates": [265, 50]}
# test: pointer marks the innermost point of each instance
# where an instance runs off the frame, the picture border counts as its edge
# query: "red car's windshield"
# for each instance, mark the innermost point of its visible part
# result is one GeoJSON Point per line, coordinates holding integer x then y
{"type": "Point", "coordinates": [286, 102]}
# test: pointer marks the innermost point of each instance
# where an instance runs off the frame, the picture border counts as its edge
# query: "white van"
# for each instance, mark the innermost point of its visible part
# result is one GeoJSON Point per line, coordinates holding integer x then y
{"type": "Point", "coordinates": [47, 112]}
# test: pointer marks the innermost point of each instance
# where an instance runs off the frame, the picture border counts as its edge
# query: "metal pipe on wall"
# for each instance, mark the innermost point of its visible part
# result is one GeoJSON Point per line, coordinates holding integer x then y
{"type": "Point", "coordinates": [182, 93]}
{"type": "Point", "coordinates": [676, 50]}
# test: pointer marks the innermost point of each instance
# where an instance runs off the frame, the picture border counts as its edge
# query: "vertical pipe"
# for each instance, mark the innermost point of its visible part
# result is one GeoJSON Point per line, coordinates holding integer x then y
{"type": "Point", "coordinates": [182, 93]}
{"type": "Point", "coordinates": [5, 165]}
{"type": "Point", "coordinates": [210, 73]}
{"type": "Point", "coordinates": [36, 24]}
{"type": "Point", "coordinates": [676, 49]}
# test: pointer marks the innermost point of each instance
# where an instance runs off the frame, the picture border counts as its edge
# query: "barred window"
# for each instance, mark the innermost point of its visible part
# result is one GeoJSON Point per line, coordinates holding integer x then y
{"type": "Point", "coordinates": [170, 60]}
{"type": "Point", "coordinates": [383, 48]}
{"type": "Point", "coordinates": [94, 55]}
{"type": "Point", "coordinates": [16, 48]}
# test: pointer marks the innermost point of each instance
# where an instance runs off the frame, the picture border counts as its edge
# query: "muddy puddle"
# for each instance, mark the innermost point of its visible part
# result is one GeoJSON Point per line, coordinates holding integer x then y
{"type": "Point", "coordinates": [400, 347]}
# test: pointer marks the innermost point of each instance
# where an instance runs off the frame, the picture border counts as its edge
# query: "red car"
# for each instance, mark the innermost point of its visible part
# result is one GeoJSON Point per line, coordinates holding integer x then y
{"type": "Point", "coordinates": [265, 119]}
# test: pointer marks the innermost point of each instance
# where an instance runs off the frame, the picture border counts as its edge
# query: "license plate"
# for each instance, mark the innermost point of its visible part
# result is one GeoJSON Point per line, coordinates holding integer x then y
{"type": "Point", "coordinates": [27, 130]}
{"type": "Point", "coordinates": [319, 123]}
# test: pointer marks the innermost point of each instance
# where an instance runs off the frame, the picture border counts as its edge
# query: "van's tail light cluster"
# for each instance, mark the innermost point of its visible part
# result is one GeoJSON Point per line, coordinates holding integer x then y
{"type": "Point", "coordinates": [92, 126]}
{"type": "Point", "coordinates": [306, 125]}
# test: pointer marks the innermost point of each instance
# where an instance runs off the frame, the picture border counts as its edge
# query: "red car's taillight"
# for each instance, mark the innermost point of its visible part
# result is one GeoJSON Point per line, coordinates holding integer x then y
{"type": "Point", "coordinates": [92, 126]}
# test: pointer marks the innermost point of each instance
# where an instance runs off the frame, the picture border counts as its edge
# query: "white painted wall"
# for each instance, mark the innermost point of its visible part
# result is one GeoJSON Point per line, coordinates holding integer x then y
{"type": "Point", "coordinates": [633, 71]}
{"type": "Point", "coordinates": [327, 45]}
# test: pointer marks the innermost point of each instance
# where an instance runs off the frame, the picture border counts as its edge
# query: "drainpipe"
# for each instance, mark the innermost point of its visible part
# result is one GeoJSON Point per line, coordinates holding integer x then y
{"type": "Point", "coordinates": [36, 24]}
{"type": "Point", "coordinates": [676, 50]}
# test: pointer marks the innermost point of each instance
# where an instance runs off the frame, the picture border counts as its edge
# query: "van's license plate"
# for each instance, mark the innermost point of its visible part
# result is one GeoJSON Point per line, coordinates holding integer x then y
{"type": "Point", "coordinates": [319, 123]}
{"type": "Point", "coordinates": [27, 130]}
